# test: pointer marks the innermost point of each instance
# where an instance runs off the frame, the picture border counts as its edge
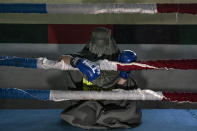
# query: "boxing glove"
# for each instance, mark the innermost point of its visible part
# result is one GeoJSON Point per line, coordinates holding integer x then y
{"type": "Point", "coordinates": [127, 56]}
{"type": "Point", "coordinates": [89, 68]}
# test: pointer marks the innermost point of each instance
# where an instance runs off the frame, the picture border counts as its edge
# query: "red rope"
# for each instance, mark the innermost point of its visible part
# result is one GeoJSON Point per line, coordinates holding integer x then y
{"type": "Point", "coordinates": [177, 8]}
{"type": "Point", "coordinates": [161, 64]}
{"type": "Point", "coordinates": [180, 97]}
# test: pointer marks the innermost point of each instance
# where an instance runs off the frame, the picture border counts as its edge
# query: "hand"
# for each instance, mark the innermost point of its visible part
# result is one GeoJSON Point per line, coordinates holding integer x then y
{"type": "Point", "coordinates": [89, 68]}
{"type": "Point", "coordinates": [121, 81]}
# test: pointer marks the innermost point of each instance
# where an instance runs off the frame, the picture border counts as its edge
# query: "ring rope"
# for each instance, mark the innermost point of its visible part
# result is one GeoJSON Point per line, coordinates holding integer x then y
{"type": "Point", "coordinates": [117, 94]}
{"type": "Point", "coordinates": [44, 63]}
{"type": "Point", "coordinates": [54, 95]}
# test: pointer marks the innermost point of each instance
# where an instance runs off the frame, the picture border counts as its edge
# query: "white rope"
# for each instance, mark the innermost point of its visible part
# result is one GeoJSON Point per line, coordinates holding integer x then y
{"type": "Point", "coordinates": [98, 8]}
{"type": "Point", "coordinates": [117, 94]}
{"type": "Point", "coordinates": [44, 63]}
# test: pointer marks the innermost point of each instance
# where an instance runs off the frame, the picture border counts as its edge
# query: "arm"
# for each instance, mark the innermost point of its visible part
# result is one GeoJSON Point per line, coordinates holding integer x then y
{"type": "Point", "coordinates": [127, 56]}
{"type": "Point", "coordinates": [88, 68]}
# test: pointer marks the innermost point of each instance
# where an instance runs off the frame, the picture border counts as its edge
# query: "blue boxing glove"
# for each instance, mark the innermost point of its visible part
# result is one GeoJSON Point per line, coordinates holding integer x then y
{"type": "Point", "coordinates": [89, 68]}
{"type": "Point", "coordinates": [127, 56]}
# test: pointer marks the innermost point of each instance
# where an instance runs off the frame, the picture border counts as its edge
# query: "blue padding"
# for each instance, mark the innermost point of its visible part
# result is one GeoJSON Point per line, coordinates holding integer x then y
{"type": "Point", "coordinates": [18, 62]}
{"type": "Point", "coordinates": [13, 93]}
{"type": "Point", "coordinates": [49, 120]}
{"type": "Point", "coordinates": [23, 8]}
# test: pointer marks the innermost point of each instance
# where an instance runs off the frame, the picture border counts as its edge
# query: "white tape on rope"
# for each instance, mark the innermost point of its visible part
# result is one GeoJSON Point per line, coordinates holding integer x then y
{"type": "Point", "coordinates": [44, 63]}
{"type": "Point", "coordinates": [117, 94]}
{"type": "Point", "coordinates": [98, 8]}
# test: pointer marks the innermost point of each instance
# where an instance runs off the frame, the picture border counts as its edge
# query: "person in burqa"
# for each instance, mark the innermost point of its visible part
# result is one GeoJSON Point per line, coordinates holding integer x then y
{"type": "Point", "coordinates": [103, 114]}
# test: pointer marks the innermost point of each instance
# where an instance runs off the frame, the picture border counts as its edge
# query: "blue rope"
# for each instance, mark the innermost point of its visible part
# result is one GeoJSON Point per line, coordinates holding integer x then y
{"type": "Point", "coordinates": [23, 8]}
{"type": "Point", "coordinates": [13, 93]}
{"type": "Point", "coordinates": [18, 62]}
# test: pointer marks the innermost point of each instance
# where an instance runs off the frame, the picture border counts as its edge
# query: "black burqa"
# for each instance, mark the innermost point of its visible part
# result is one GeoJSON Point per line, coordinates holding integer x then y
{"type": "Point", "coordinates": [103, 114]}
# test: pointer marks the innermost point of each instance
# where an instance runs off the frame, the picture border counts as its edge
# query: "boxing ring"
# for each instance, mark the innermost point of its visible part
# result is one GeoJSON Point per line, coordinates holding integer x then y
{"type": "Point", "coordinates": [21, 64]}
{"type": "Point", "coordinates": [162, 119]}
